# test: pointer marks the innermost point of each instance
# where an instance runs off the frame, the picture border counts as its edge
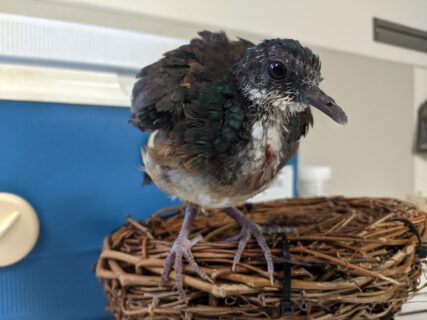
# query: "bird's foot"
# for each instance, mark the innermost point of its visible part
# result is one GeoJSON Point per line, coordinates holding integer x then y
{"type": "Point", "coordinates": [250, 229]}
{"type": "Point", "coordinates": [182, 249]}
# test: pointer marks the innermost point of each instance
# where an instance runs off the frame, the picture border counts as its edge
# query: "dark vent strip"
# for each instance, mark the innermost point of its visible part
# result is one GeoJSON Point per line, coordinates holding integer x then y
{"type": "Point", "coordinates": [400, 35]}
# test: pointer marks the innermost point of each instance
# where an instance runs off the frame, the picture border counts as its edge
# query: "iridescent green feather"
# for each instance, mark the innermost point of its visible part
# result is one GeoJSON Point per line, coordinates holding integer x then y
{"type": "Point", "coordinates": [214, 119]}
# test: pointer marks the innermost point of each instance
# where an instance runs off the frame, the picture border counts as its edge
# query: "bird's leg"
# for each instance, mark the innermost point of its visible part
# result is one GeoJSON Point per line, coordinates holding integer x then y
{"type": "Point", "coordinates": [182, 248]}
{"type": "Point", "coordinates": [248, 229]}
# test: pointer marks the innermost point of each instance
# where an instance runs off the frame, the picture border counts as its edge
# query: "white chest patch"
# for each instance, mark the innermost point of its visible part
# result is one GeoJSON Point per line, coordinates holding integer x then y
{"type": "Point", "coordinates": [264, 136]}
{"type": "Point", "coordinates": [274, 136]}
{"type": "Point", "coordinates": [269, 133]}
{"type": "Point", "coordinates": [257, 130]}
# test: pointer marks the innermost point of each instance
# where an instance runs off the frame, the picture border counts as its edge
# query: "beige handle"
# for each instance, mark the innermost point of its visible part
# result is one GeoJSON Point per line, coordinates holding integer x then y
{"type": "Point", "coordinates": [19, 229]}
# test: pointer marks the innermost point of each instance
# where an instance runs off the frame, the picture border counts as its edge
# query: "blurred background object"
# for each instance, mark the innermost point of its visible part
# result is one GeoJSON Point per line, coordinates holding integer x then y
{"type": "Point", "coordinates": [314, 181]}
{"type": "Point", "coordinates": [66, 71]}
{"type": "Point", "coordinates": [422, 128]}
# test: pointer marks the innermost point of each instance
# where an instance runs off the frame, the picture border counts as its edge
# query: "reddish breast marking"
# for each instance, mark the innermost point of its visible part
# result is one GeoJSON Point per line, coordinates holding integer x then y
{"type": "Point", "coordinates": [268, 160]}
{"type": "Point", "coordinates": [268, 156]}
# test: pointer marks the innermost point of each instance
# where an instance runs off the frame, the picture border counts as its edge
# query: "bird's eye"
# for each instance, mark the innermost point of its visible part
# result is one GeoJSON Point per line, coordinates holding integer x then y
{"type": "Point", "coordinates": [277, 70]}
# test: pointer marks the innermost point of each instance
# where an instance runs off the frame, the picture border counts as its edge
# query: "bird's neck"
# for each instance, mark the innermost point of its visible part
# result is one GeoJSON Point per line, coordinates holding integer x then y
{"type": "Point", "coordinates": [273, 105]}
{"type": "Point", "coordinates": [291, 121]}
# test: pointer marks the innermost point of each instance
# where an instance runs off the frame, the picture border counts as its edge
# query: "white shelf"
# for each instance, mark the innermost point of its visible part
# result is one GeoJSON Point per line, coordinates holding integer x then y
{"type": "Point", "coordinates": [33, 83]}
{"type": "Point", "coordinates": [40, 40]}
{"type": "Point", "coordinates": [54, 61]}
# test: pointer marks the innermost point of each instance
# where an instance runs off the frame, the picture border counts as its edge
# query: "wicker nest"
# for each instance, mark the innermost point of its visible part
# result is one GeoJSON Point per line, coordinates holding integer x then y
{"type": "Point", "coordinates": [350, 259]}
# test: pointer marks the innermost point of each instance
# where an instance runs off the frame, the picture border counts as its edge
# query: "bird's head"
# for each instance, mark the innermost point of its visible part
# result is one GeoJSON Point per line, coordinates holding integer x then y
{"type": "Point", "coordinates": [282, 75]}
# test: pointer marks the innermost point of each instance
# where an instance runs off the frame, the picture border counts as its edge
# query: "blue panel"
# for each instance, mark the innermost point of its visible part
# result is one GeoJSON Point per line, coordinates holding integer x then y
{"type": "Point", "coordinates": [79, 167]}
{"type": "Point", "coordinates": [294, 163]}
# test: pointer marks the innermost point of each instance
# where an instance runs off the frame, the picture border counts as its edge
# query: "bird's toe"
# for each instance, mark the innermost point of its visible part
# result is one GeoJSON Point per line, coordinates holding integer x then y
{"type": "Point", "coordinates": [251, 229]}
{"type": "Point", "coordinates": [181, 249]}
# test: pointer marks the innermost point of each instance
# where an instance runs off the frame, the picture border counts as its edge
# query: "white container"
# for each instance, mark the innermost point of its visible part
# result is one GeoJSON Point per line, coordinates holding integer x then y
{"type": "Point", "coordinates": [314, 181]}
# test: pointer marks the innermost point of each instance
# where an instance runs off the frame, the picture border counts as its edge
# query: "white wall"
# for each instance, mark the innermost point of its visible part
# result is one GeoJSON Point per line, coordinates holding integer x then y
{"type": "Point", "coordinates": [344, 25]}
{"type": "Point", "coordinates": [420, 160]}
{"type": "Point", "coordinates": [372, 154]}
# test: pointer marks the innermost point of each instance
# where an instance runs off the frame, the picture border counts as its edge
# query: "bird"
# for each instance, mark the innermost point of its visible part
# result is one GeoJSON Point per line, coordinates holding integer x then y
{"type": "Point", "coordinates": [224, 117]}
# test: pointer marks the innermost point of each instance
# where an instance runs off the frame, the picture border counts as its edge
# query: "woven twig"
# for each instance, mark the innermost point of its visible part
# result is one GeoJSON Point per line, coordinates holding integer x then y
{"type": "Point", "coordinates": [349, 261]}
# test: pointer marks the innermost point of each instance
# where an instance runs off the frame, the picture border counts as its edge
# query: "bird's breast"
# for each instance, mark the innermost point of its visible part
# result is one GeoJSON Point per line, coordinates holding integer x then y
{"type": "Point", "coordinates": [241, 176]}
{"type": "Point", "coordinates": [263, 155]}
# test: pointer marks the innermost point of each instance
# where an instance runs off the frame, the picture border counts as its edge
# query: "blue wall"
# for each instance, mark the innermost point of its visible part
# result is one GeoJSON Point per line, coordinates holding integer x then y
{"type": "Point", "coordinates": [79, 168]}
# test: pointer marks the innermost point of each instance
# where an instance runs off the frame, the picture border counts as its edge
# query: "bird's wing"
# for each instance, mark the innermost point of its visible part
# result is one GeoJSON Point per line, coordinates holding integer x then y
{"type": "Point", "coordinates": [164, 88]}
{"type": "Point", "coordinates": [299, 125]}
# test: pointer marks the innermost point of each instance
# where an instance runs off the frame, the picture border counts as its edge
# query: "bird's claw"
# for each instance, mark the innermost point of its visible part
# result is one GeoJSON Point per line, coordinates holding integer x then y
{"type": "Point", "coordinates": [249, 229]}
{"type": "Point", "coordinates": [181, 249]}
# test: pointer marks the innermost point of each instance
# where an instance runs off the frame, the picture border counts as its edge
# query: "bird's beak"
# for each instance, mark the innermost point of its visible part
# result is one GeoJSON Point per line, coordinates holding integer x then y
{"type": "Point", "coordinates": [320, 100]}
